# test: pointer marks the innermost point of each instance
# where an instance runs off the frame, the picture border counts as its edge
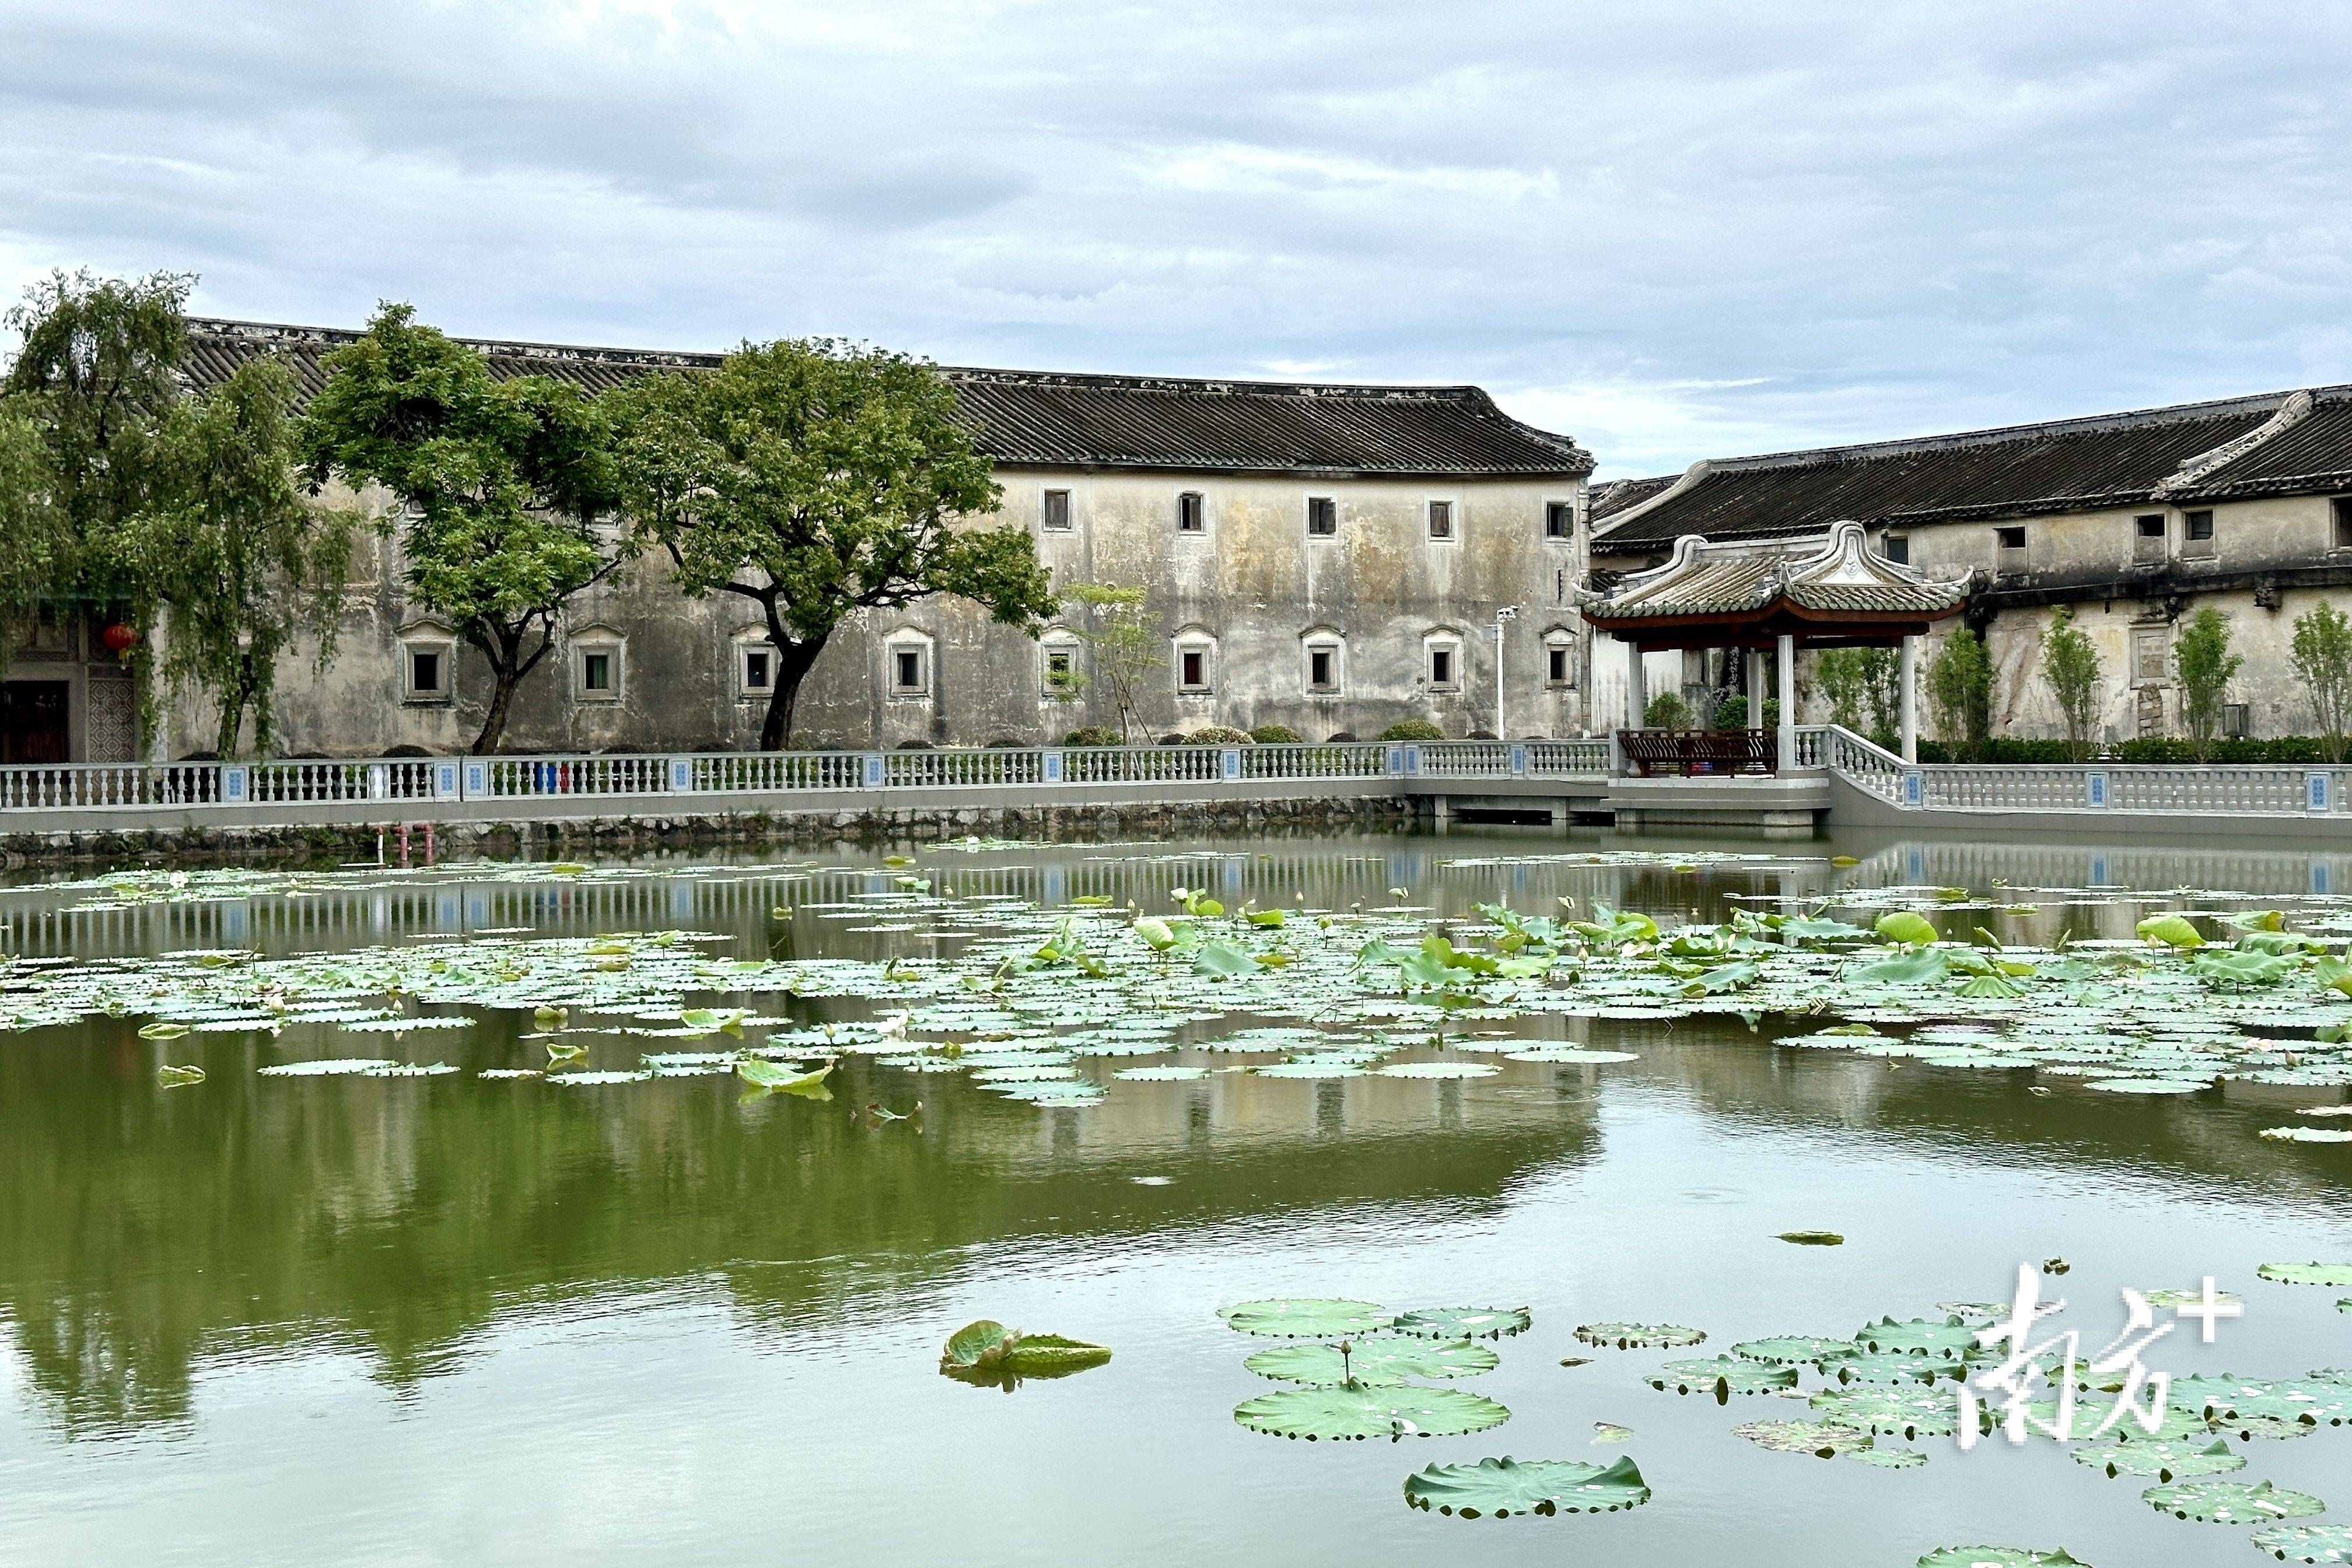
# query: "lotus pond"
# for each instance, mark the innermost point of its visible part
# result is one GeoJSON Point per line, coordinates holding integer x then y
{"type": "Point", "coordinates": [1599, 1200]}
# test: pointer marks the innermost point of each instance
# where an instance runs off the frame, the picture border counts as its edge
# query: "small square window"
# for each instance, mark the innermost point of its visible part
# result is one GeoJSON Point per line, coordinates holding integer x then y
{"type": "Point", "coordinates": [2010, 538]}
{"type": "Point", "coordinates": [428, 674]}
{"type": "Point", "coordinates": [1898, 549]}
{"type": "Point", "coordinates": [1322, 670]}
{"type": "Point", "coordinates": [907, 676]}
{"type": "Point", "coordinates": [1555, 663]}
{"type": "Point", "coordinates": [1056, 516]}
{"type": "Point", "coordinates": [1322, 516]}
{"type": "Point", "coordinates": [596, 672]}
{"type": "Point", "coordinates": [1193, 670]}
{"type": "Point", "coordinates": [755, 668]}
{"type": "Point", "coordinates": [2200, 525]}
{"type": "Point", "coordinates": [2150, 526]}
{"type": "Point", "coordinates": [1441, 666]}
{"type": "Point", "coordinates": [1191, 513]}
{"type": "Point", "coordinates": [2343, 508]}
{"type": "Point", "coordinates": [1441, 519]}
{"type": "Point", "coordinates": [1559, 520]}
{"type": "Point", "coordinates": [1061, 671]}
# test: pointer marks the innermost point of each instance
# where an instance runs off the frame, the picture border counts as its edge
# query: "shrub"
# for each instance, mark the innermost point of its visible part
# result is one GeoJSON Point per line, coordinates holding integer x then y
{"type": "Point", "coordinates": [1667, 711]}
{"type": "Point", "coordinates": [406, 749]}
{"type": "Point", "coordinates": [1217, 735]}
{"type": "Point", "coordinates": [1093, 735]}
{"type": "Point", "coordinates": [2323, 662]}
{"type": "Point", "coordinates": [916, 746]}
{"type": "Point", "coordinates": [1339, 737]}
{"type": "Point", "coordinates": [1960, 692]}
{"type": "Point", "coordinates": [1731, 713]}
{"type": "Point", "coordinates": [1412, 729]}
{"type": "Point", "coordinates": [1276, 735]}
{"type": "Point", "coordinates": [2205, 666]}
{"type": "Point", "coordinates": [1173, 741]}
{"type": "Point", "coordinates": [2070, 663]}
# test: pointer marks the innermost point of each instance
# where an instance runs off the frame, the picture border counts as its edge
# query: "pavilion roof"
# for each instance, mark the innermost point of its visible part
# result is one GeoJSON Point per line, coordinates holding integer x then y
{"type": "Point", "coordinates": [1825, 587]}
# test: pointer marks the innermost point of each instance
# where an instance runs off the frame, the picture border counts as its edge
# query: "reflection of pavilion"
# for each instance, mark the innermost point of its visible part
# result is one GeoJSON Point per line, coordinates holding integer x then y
{"type": "Point", "coordinates": [1821, 591]}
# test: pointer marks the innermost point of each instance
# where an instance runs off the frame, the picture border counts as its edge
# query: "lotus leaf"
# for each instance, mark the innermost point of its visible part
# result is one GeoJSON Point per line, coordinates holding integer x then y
{"type": "Point", "coordinates": [2165, 1459]}
{"type": "Point", "coordinates": [2308, 1273]}
{"type": "Point", "coordinates": [1786, 1350]}
{"type": "Point", "coordinates": [1946, 1339]}
{"type": "Point", "coordinates": [1998, 1557]}
{"type": "Point", "coordinates": [1307, 1317]}
{"type": "Point", "coordinates": [1814, 1237]}
{"type": "Point", "coordinates": [1463, 1322]}
{"type": "Point", "coordinates": [2171, 931]}
{"type": "Point", "coordinates": [1879, 1408]}
{"type": "Point", "coordinates": [1354, 1411]}
{"type": "Point", "coordinates": [767, 1076]}
{"type": "Point", "coordinates": [988, 1345]}
{"type": "Point", "coordinates": [1504, 1487]}
{"type": "Point", "coordinates": [172, 1077]}
{"type": "Point", "coordinates": [1905, 927]}
{"type": "Point", "coordinates": [1822, 1440]}
{"type": "Point", "coordinates": [1572, 1054]}
{"type": "Point", "coordinates": [1374, 1359]}
{"type": "Point", "coordinates": [2306, 1542]}
{"type": "Point", "coordinates": [1896, 1367]}
{"type": "Point", "coordinates": [330, 1067]}
{"type": "Point", "coordinates": [1889, 1459]}
{"type": "Point", "coordinates": [2230, 1502]}
{"type": "Point", "coordinates": [2309, 1134]}
{"type": "Point", "coordinates": [1439, 1069]}
{"type": "Point", "coordinates": [2307, 1403]}
{"type": "Point", "coordinates": [1640, 1336]}
{"type": "Point", "coordinates": [163, 1030]}
{"type": "Point", "coordinates": [1921, 966]}
{"type": "Point", "coordinates": [1723, 1375]}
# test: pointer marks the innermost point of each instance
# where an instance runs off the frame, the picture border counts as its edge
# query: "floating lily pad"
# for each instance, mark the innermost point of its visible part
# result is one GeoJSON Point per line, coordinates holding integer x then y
{"type": "Point", "coordinates": [2165, 1459]}
{"type": "Point", "coordinates": [1911, 1412]}
{"type": "Point", "coordinates": [2306, 1542]}
{"type": "Point", "coordinates": [1889, 1459]}
{"type": "Point", "coordinates": [988, 1346]}
{"type": "Point", "coordinates": [2309, 1134]}
{"type": "Point", "coordinates": [1814, 1237]}
{"type": "Point", "coordinates": [1352, 1412]}
{"type": "Point", "coordinates": [1506, 1486]}
{"type": "Point", "coordinates": [2308, 1273]}
{"type": "Point", "coordinates": [1998, 1557]}
{"type": "Point", "coordinates": [2230, 1502]}
{"type": "Point", "coordinates": [1722, 1375]}
{"type": "Point", "coordinates": [1822, 1440]}
{"type": "Point", "coordinates": [1788, 1350]}
{"type": "Point", "coordinates": [1374, 1359]}
{"type": "Point", "coordinates": [1640, 1336]}
{"type": "Point", "coordinates": [1463, 1322]}
{"type": "Point", "coordinates": [1894, 1367]}
{"type": "Point", "coordinates": [1307, 1317]}
{"type": "Point", "coordinates": [1439, 1069]}
{"type": "Point", "coordinates": [1942, 1339]}
{"type": "Point", "coordinates": [1573, 1055]}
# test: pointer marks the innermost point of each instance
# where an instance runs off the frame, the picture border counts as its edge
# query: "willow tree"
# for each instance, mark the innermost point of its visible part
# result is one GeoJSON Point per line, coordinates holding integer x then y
{"type": "Point", "coordinates": [245, 562]}
{"type": "Point", "coordinates": [501, 483]}
{"type": "Point", "coordinates": [95, 372]}
{"type": "Point", "coordinates": [815, 478]}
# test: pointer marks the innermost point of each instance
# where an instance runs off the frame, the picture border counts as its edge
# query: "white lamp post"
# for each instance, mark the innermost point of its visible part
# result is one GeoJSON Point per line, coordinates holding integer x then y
{"type": "Point", "coordinates": [1503, 616]}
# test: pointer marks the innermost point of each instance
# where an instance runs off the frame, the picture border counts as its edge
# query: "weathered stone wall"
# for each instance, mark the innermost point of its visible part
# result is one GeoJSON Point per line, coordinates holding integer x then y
{"type": "Point", "coordinates": [1252, 589]}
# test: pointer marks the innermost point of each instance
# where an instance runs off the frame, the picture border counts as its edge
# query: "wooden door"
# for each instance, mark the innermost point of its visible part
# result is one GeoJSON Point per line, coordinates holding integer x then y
{"type": "Point", "coordinates": [33, 721]}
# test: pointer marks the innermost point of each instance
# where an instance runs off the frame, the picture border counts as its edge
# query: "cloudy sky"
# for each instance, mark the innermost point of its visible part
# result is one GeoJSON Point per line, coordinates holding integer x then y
{"type": "Point", "coordinates": [1673, 230]}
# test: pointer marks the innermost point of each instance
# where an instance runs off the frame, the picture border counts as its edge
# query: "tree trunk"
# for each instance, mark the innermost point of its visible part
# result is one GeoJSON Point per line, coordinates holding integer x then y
{"type": "Point", "coordinates": [793, 660]}
{"type": "Point", "coordinates": [506, 672]}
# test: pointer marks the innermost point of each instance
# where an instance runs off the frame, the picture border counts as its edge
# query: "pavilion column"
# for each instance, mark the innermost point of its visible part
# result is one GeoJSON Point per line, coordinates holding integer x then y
{"type": "Point", "coordinates": [1787, 739]}
{"type": "Point", "coordinates": [1637, 691]}
{"type": "Point", "coordinates": [1756, 688]}
{"type": "Point", "coordinates": [1911, 700]}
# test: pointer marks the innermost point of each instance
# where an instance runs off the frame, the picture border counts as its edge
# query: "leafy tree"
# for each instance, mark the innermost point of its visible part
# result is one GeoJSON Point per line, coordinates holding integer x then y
{"type": "Point", "coordinates": [2202, 662]}
{"type": "Point", "coordinates": [95, 370]}
{"type": "Point", "coordinates": [1667, 711]}
{"type": "Point", "coordinates": [503, 483]}
{"type": "Point", "coordinates": [1859, 681]}
{"type": "Point", "coordinates": [1126, 647]}
{"type": "Point", "coordinates": [2322, 657]}
{"type": "Point", "coordinates": [2070, 664]}
{"type": "Point", "coordinates": [816, 478]}
{"type": "Point", "coordinates": [1959, 691]}
{"type": "Point", "coordinates": [229, 544]}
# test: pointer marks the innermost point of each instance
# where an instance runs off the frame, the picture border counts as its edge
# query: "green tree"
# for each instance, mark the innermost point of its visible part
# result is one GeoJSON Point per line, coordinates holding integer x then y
{"type": "Point", "coordinates": [2070, 665]}
{"type": "Point", "coordinates": [1667, 711]}
{"type": "Point", "coordinates": [96, 370]}
{"type": "Point", "coordinates": [230, 544]}
{"type": "Point", "coordinates": [816, 478]}
{"type": "Point", "coordinates": [1959, 691]}
{"type": "Point", "coordinates": [2322, 661]}
{"type": "Point", "coordinates": [1127, 648]}
{"type": "Point", "coordinates": [2203, 664]}
{"type": "Point", "coordinates": [502, 482]}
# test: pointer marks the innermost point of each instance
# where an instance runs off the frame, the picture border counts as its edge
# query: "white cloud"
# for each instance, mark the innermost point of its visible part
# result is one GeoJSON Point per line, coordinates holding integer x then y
{"type": "Point", "coordinates": [1676, 230]}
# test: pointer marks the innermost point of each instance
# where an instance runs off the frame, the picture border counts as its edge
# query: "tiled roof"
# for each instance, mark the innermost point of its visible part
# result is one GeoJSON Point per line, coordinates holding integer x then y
{"type": "Point", "coordinates": [1079, 421]}
{"type": "Point", "coordinates": [1834, 575]}
{"type": "Point", "coordinates": [2160, 453]}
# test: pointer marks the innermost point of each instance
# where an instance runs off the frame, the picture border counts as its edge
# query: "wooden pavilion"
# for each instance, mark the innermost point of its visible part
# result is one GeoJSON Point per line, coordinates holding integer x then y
{"type": "Point", "coordinates": [1818, 591]}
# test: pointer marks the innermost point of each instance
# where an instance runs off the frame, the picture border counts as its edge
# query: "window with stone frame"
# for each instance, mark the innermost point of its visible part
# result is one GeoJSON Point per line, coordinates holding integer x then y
{"type": "Point", "coordinates": [2151, 650]}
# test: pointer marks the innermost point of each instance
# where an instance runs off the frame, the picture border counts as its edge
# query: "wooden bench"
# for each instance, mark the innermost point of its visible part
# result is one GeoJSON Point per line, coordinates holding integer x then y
{"type": "Point", "coordinates": [1699, 752]}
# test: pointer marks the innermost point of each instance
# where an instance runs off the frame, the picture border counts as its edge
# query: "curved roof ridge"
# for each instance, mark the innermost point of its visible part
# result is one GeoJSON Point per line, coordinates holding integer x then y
{"type": "Point", "coordinates": [2076, 425]}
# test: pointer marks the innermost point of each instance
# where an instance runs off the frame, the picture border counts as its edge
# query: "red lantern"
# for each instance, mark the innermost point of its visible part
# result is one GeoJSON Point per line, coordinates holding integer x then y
{"type": "Point", "coordinates": [119, 638]}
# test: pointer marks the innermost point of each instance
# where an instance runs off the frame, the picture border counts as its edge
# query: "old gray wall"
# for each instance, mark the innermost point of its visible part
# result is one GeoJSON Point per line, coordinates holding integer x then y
{"type": "Point", "coordinates": [1252, 588]}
